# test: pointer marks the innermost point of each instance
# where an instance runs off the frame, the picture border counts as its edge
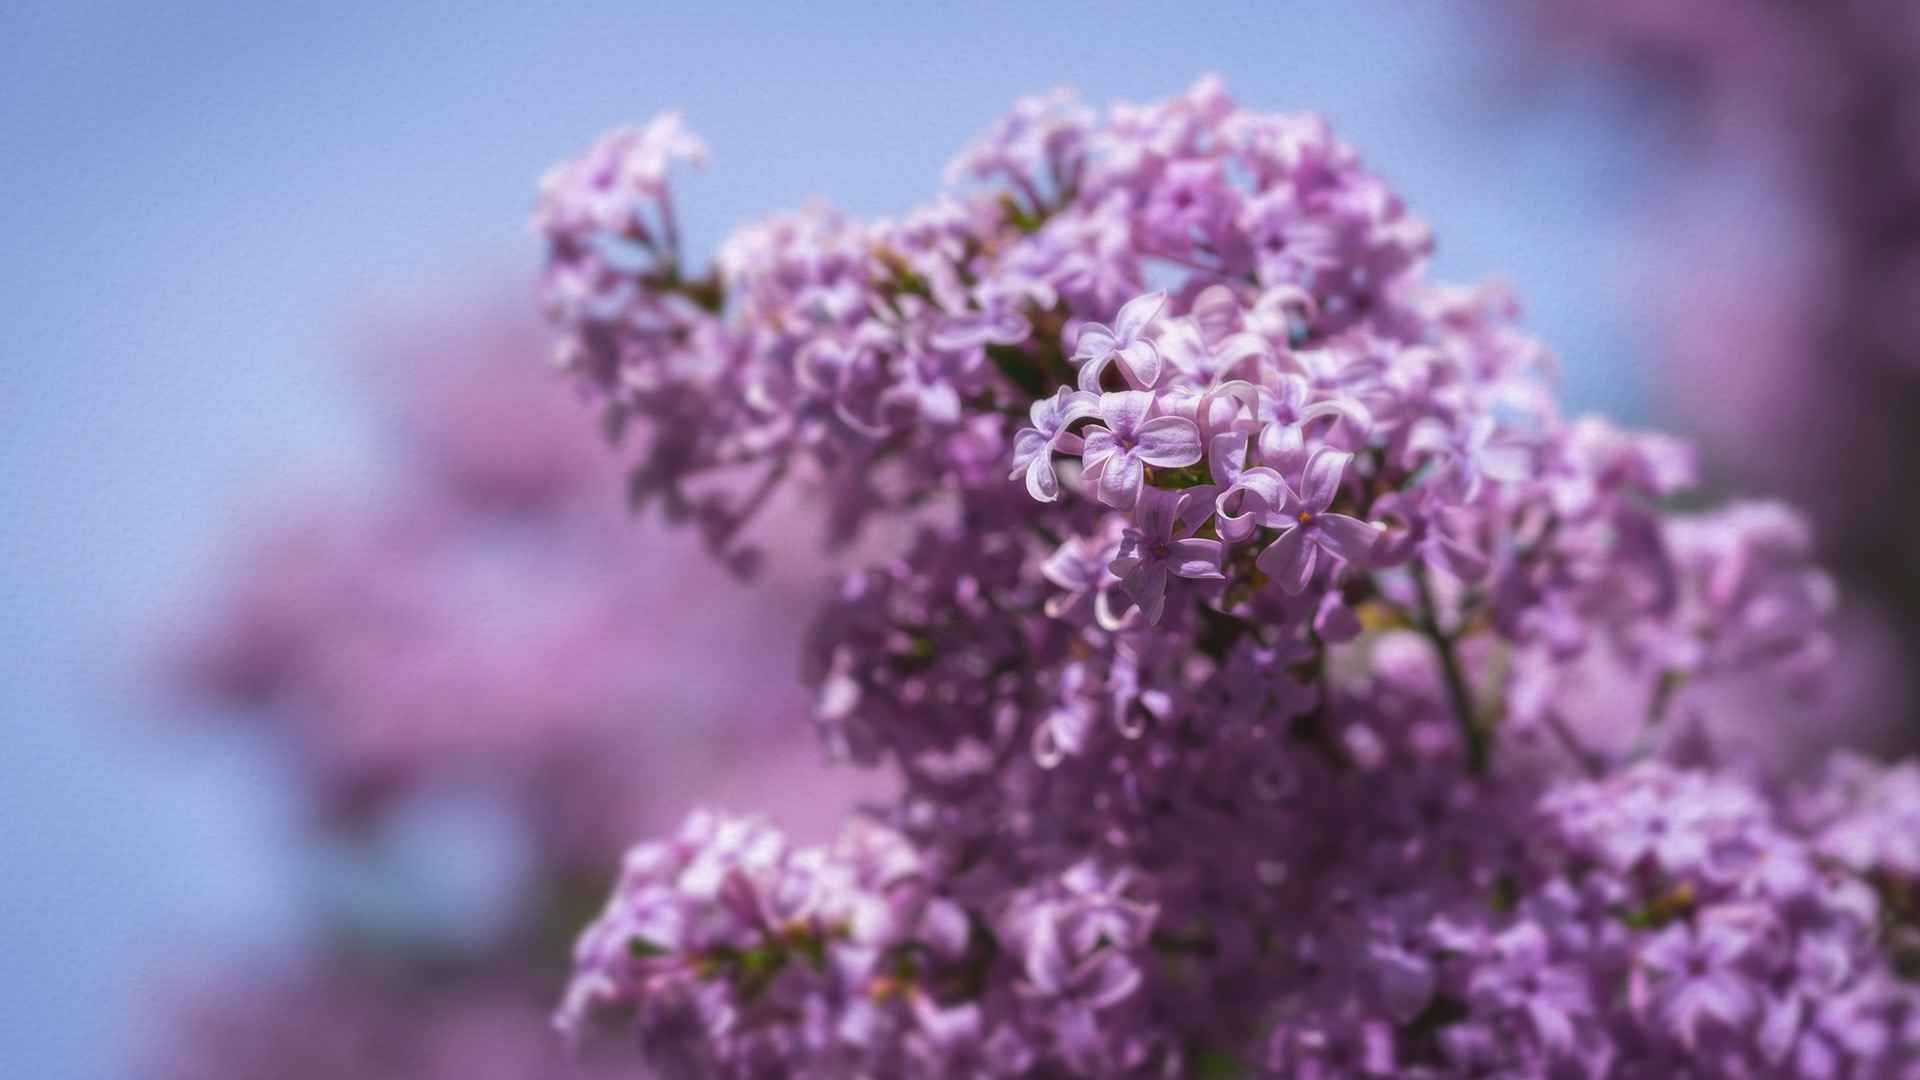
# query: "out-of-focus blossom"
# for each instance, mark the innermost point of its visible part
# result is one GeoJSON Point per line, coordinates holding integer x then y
{"type": "Point", "coordinates": [493, 623]}
{"type": "Point", "coordinates": [1784, 267]}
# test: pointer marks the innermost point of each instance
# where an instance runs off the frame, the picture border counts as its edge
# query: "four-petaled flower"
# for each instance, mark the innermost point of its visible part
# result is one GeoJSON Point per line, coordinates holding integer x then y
{"type": "Point", "coordinates": [1116, 454]}
{"type": "Point", "coordinates": [1310, 529]}
{"type": "Point", "coordinates": [1100, 345]}
{"type": "Point", "coordinates": [1698, 977]}
{"type": "Point", "coordinates": [1081, 569]}
{"type": "Point", "coordinates": [1093, 979]}
{"type": "Point", "coordinates": [1155, 550]}
{"type": "Point", "coordinates": [1462, 457]}
{"type": "Point", "coordinates": [1520, 975]}
{"type": "Point", "coordinates": [1033, 447]}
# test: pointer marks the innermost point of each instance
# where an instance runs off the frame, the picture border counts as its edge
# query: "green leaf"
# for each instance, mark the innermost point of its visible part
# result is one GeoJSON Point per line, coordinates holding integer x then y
{"type": "Point", "coordinates": [640, 948]}
{"type": "Point", "coordinates": [1020, 370]}
{"type": "Point", "coordinates": [1207, 1063]}
{"type": "Point", "coordinates": [1191, 476]}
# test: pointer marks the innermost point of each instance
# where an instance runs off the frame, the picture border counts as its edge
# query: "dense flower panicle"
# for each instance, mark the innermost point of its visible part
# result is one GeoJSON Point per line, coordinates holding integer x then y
{"type": "Point", "coordinates": [1863, 817]}
{"type": "Point", "coordinates": [1276, 680]}
{"type": "Point", "coordinates": [740, 952]}
{"type": "Point", "coordinates": [1659, 920]}
{"type": "Point", "coordinates": [620, 187]}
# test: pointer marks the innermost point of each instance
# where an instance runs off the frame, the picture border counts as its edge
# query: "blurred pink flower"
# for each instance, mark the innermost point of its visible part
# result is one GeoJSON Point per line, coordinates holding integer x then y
{"type": "Point", "coordinates": [493, 621]}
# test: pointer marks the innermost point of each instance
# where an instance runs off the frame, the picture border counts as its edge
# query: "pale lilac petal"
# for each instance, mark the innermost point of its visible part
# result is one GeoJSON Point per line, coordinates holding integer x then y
{"type": "Point", "coordinates": [1348, 537]}
{"type": "Point", "coordinates": [1141, 363]}
{"type": "Point", "coordinates": [1554, 1026]}
{"type": "Point", "coordinates": [1181, 345]}
{"type": "Point", "coordinates": [1196, 506]}
{"type": "Point", "coordinates": [1198, 559]}
{"type": "Point", "coordinates": [1289, 561]}
{"type": "Point", "coordinates": [859, 423]}
{"type": "Point", "coordinates": [1779, 1027]}
{"type": "Point", "coordinates": [818, 367]}
{"type": "Point", "coordinates": [1505, 464]}
{"type": "Point", "coordinates": [1042, 483]}
{"type": "Point", "coordinates": [1272, 490]}
{"type": "Point", "coordinates": [1235, 530]}
{"type": "Point", "coordinates": [1722, 946]}
{"type": "Point", "coordinates": [1216, 308]}
{"type": "Point", "coordinates": [1169, 442]}
{"type": "Point", "coordinates": [939, 403]}
{"type": "Point", "coordinates": [1240, 347]}
{"type": "Point", "coordinates": [1283, 447]}
{"type": "Point", "coordinates": [1049, 742]}
{"type": "Point", "coordinates": [1091, 371]}
{"type": "Point", "coordinates": [974, 329]}
{"type": "Point", "coordinates": [1155, 514]}
{"type": "Point", "coordinates": [1124, 410]}
{"type": "Point", "coordinates": [1100, 446]}
{"type": "Point", "coordinates": [1068, 569]}
{"type": "Point", "coordinates": [1073, 405]}
{"type": "Point", "coordinates": [1112, 611]}
{"type": "Point", "coordinates": [1405, 981]}
{"type": "Point", "coordinates": [1356, 417]}
{"type": "Point", "coordinates": [1322, 480]}
{"type": "Point", "coordinates": [1227, 457]}
{"type": "Point", "coordinates": [1147, 584]}
{"type": "Point", "coordinates": [1111, 979]}
{"type": "Point", "coordinates": [1289, 394]}
{"type": "Point", "coordinates": [1119, 482]}
{"type": "Point", "coordinates": [1220, 407]}
{"type": "Point", "coordinates": [1047, 965]}
{"type": "Point", "coordinates": [1066, 605]}
{"type": "Point", "coordinates": [1258, 494]}
{"type": "Point", "coordinates": [1456, 558]}
{"type": "Point", "coordinates": [1044, 413]}
{"type": "Point", "coordinates": [1430, 436]}
{"type": "Point", "coordinates": [1027, 445]}
{"type": "Point", "coordinates": [1095, 340]}
{"type": "Point", "coordinates": [1137, 313]}
{"type": "Point", "coordinates": [1009, 327]}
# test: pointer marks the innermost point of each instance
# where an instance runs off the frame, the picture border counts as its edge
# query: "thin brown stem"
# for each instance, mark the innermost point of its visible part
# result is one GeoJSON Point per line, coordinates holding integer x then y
{"type": "Point", "coordinates": [1472, 739]}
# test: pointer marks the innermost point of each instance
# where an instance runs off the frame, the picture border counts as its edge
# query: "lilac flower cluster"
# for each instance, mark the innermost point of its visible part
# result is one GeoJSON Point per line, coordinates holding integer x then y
{"type": "Point", "coordinates": [1274, 677]}
{"type": "Point", "coordinates": [1399, 922]}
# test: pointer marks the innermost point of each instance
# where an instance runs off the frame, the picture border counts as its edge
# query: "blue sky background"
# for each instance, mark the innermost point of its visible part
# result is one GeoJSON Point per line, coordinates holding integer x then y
{"type": "Point", "coordinates": [202, 207]}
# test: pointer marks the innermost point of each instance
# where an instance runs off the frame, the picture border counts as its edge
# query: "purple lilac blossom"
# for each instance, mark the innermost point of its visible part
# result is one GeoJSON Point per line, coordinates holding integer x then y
{"type": "Point", "coordinates": [1160, 548]}
{"type": "Point", "coordinates": [1125, 442]}
{"type": "Point", "coordinates": [1338, 712]}
{"type": "Point", "coordinates": [1033, 448]}
{"type": "Point", "coordinates": [1122, 345]}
